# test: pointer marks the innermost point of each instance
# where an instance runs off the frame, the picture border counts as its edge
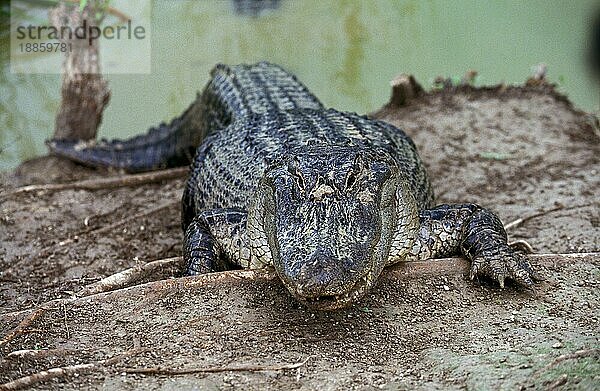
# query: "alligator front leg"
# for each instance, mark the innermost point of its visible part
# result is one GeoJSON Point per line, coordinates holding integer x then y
{"type": "Point", "coordinates": [475, 232]}
{"type": "Point", "coordinates": [216, 240]}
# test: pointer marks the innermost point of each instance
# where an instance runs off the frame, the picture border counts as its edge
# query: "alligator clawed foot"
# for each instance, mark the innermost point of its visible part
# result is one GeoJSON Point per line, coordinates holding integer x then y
{"type": "Point", "coordinates": [506, 264]}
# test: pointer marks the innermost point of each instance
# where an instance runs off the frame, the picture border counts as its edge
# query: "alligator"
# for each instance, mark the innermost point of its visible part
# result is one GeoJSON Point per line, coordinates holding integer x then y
{"type": "Point", "coordinates": [326, 198]}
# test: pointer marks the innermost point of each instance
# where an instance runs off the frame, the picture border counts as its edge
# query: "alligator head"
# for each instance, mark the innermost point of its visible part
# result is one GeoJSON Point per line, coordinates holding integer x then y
{"type": "Point", "coordinates": [326, 220]}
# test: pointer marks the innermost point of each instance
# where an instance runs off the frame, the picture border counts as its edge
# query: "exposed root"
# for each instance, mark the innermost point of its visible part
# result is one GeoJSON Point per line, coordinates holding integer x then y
{"type": "Point", "coordinates": [521, 220]}
{"type": "Point", "coordinates": [404, 270]}
{"type": "Point", "coordinates": [105, 183]}
{"type": "Point", "coordinates": [129, 276]}
{"type": "Point", "coordinates": [53, 373]}
{"type": "Point", "coordinates": [151, 288]}
{"type": "Point", "coordinates": [236, 368]}
{"type": "Point", "coordinates": [23, 325]}
{"type": "Point", "coordinates": [110, 283]}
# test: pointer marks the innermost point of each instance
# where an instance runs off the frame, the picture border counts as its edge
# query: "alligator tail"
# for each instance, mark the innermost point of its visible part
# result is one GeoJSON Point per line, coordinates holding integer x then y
{"type": "Point", "coordinates": [232, 93]}
{"type": "Point", "coordinates": [167, 145]}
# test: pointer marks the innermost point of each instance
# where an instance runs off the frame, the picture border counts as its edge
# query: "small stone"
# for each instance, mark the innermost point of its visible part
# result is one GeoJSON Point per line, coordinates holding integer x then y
{"type": "Point", "coordinates": [446, 288]}
{"type": "Point", "coordinates": [557, 345]}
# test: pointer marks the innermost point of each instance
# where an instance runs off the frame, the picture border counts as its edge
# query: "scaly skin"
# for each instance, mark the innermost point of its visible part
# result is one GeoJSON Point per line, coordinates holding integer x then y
{"type": "Point", "coordinates": [325, 197]}
{"type": "Point", "coordinates": [171, 145]}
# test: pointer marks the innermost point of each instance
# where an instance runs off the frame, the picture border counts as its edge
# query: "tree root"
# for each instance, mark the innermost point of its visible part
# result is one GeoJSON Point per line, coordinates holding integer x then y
{"type": "Point", "coordinates": [103, 290]}
{"type": "Point", "coordinates": [53, 373]}
{"type": "Point", "coordinates": [110, 283]}
{"type": "Point", "coordinates": [23, 325]}
{"type": "Point", "coordinates": [131, 275]}
{"type": "Point", "coordinates": [105, 183]}
{"type": "Point", "coordinates": [150, 288]}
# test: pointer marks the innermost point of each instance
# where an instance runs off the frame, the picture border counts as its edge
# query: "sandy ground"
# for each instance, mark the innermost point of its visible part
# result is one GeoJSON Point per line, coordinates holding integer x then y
{"type": "Point", "coordinates": [519, 151]}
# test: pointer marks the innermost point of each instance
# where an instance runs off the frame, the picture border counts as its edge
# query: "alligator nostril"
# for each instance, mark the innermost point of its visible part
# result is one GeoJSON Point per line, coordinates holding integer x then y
{"type": "Point", "coordinates": [320, 275]}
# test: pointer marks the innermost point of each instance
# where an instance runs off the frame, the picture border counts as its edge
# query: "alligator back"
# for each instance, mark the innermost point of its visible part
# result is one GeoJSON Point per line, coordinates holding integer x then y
{"type": "Point", "coordinates": [230, 163]}
{"type": "Point", "coordinates": [232, 93]}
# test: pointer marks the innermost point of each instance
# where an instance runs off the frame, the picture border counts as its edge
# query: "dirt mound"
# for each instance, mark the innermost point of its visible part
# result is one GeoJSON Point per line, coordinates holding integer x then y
{"type": "Point", "coordinates": [521, 151]}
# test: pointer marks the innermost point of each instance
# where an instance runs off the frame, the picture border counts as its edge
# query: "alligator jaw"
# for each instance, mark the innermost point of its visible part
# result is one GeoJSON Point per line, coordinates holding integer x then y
{"type": "Point", "coordinates": [339, 301]}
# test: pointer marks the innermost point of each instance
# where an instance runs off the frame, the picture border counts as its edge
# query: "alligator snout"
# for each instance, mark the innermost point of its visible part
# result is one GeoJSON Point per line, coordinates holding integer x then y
{"type": "Point", "coordinates": [324, 274]}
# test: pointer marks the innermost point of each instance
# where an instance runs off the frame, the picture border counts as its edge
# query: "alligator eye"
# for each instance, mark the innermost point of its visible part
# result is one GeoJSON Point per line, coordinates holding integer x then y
{"type": "Point", "coordinates": [350, 179]}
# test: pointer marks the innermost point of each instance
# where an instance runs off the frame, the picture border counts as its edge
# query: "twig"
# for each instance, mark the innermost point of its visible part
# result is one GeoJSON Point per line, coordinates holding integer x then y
{"type": "Point", "coordinates": [35, 354]}
{"type": "Point", "coordinates": [129, 276]}
{"type": "Point", "coordinates": [53, 373]}
{"type": "Point", "coordinates": [22, 326]}
{"type": "Point", "coordinates": [521, 220]}
{"type": "Point", "coordinates": [237, 368]}
{"type": "Point", "coordinates": [67, 332]}
{"type": "Point", "coordinates": [105, 183]}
